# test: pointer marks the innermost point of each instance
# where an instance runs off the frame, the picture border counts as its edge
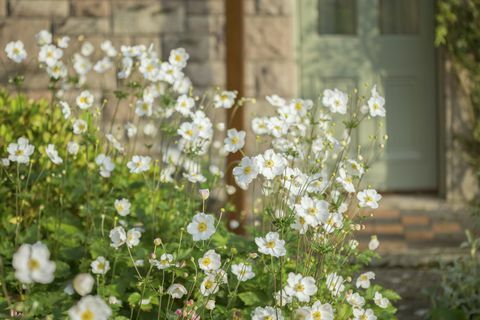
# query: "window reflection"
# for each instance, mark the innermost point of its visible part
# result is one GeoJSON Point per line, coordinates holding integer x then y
{"type": "Point", "coordinates": [337, 17]}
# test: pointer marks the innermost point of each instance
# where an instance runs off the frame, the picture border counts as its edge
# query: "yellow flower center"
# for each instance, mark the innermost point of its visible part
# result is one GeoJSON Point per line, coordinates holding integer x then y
{"type": "Point", "coordinates": [312, 211]}
{"type": "Point", "coordinates": [202, 227]}
{"type": "Point", "coordinates": [206, 261]}
{"type": "Point", "coordinates": [247, 170]}
{"type": "Point", "coordinates": [33, 264]}
{"type": "Point", "coordinates": [19, 152]}
{"type": "Point", "coordinates": [269, 163]}
{"type": "Point", "coordinates": [317, 315]}
{"type": "Point", "coordinates": [234, 140]}
{"type": "Point", "coordinates": [298, 106]}
{"type": "Point", "coordinates": [178, 58]}
{"type": "Point", "coordinates": [270, 244]}
{"type": "Point", "coordinates": [87, 315]}
{"type": "Point", "coordinates": [101, 266]}
{"type": "Point", "coordinates": [299, 287]}
{"type": "Point", "coordinates": [208, 284]}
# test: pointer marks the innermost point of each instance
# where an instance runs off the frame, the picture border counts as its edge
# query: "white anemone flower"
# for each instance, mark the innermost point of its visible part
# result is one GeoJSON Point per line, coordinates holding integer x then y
{"type": "Point", "coordinates": [320, 311]}
{"type": "Point", "coordinates": [139, 164]}
{"type": "Point", "coordinates": [177, 291]}
{"type": "Point", "coordinates": [224, 100]}
{"type": "Point", "coordinates": [178, 58]}
{"type": "Point", "coordinates": [52, 153]}
{"type": "Point", "coordinates": [122, 206]}
{"type": "Point", "coordinates": [268, 312]}
{"type": "Point", "coordinates": [133, 238]}
{"type": "Point", "coordinates": [165, 261]}
{"type": "Point", "coordinates": [32, 264]}
{"type": "Point", "coordinates": [66, 111]}
{"type": "Point", "coordinates": [271, 164]}
{"type": "Point", "coordinates": [368, 198]}
{"type": "Point", "coordinates": [300, 287]}
{"type": "Point", "coordinates": [118, 236]}
{"type": "Point", "coordinates": [210, 285]}
{"type": "Point", "coordinates": [90, 307]}
{"type": "Point", "coordinates": [243, 271]}
{"type": "Point", "coordinates": [21, 151]}
{"type": "Point", "coordinates": [314, 211]}
{"type": "Point", "coordinates": [271, 245]}
{"type": "Point", "coordinates": [210, 261]}
{"type": "Point", "coordinates": [80, 126]}
{"type": "Point", "coordinates": [202, 226]}
{"type": "Point", "coordinates": [245, 172]}
{"type": "Point", "coordinates": [355, 300]}
{"type": "Point", "coordinates": [376, 104]}
{"type": "Point", "coordinates": [335, 284]}
{"type": "Point", "coordinates": [16, 51]}
{"type": "Point", "coordinates": [49, 54]}
{"type": "Point", "coordinates": [85, 100]}
{"type": "Point", "coordinates": [235, 140]}
{"type": "Point", "coordinates": [361, 314]}
{"type": "Point", "coordinates": [43, 37]}
{"type": "Point", "coordinates": [335, 100]}
{"type": "Point", "coordinates": [144, 108]}
{"type": "Point", "coordinates": [100, 265]}
{"type": "Point", "coordinates": [106, 165]}
{"type": "Point", "coordinates": [72, 147]}
{"type": "Point", "coordinates": [184, 104]}
{"type": "Point", "coordinates": [363, 281]}
{"type": "Point", "coordinates": [381, 301]}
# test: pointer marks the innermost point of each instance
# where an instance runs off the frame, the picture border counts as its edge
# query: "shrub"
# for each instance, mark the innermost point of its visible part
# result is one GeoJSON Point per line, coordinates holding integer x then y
{"type": "Point", "coordinates": [98, 224]}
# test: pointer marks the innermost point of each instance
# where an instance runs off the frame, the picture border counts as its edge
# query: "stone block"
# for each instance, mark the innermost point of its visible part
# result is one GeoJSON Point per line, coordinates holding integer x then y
{"type": "Point", "coordinates": [271, 77]}
{"type": "Point", "coordinates": [39, 8]}
{"type": "Point", "coordinates": [207, 74]}
{"type": "Point", "coordinates": [91, 8]}
{"type": "Point", "coordinates": [199, 47]}
{"type": "Point", "coordinates": [141, 17]}
{"type": "Point", "coordinates": [83, 26]}
{"type": "Point", "coordinates": [206, 7]}
{"type": "Point", "coordinates": [268, 37]}
{"type": "Point", "coordinates": [206, 24]}
{"type": "Point", "coordinates": [9, 31]}
{"type": "Point", "coordinates": [3, 8]}
{"type": "Point", "coordinates": [269, 7]}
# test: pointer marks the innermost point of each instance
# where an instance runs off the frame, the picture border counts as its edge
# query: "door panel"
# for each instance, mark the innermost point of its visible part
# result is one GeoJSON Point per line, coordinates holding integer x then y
{"type": "Point", "coordinates": [358, 43]}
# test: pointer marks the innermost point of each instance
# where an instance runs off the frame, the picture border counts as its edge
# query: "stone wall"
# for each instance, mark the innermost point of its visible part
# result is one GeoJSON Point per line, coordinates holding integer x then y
{"type": "Point", "coordinates": [197, 25]}
{"type": "Point", "coordinates": [270, 65]}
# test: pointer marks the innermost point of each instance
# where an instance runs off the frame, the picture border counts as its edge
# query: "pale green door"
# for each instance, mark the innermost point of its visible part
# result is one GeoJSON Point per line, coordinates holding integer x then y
{"type": "Point", "coordinates": [350, 43]}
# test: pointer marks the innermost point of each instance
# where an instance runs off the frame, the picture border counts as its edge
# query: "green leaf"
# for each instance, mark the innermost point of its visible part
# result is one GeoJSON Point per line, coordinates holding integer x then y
{"type": "Point", "coordinates": [134, 298]}
{"type": "Point", "coordinates": [249, 298]}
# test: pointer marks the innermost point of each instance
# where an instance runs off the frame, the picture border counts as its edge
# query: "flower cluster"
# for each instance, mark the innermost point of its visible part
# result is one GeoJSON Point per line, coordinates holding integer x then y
{"type": "Point", "coordinates": [125, 217]}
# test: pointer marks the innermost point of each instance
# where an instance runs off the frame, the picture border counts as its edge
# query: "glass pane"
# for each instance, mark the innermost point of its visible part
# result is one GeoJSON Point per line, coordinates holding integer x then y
{"type": "Point", "coordinates": [337, 16]}
{"type": "Point", "coordinates": [399, 16]}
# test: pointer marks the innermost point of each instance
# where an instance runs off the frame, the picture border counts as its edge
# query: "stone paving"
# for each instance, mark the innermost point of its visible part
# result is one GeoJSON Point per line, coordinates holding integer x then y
{"type": "Point", "coordinates": [414, 233]}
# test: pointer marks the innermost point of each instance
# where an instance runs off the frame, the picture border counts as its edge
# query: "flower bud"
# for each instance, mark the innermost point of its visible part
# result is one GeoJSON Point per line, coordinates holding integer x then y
{"type": "Point", "coordinates": [204, 194]}
{"type": "Point", "coordinates": [83, 283]}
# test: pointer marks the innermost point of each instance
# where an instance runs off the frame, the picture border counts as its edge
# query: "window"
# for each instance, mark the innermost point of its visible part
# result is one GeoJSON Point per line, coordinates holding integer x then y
{"type": "Point", "coordinates": [337, 17]}
{"type": "Point", "coordinates": [399, 16]}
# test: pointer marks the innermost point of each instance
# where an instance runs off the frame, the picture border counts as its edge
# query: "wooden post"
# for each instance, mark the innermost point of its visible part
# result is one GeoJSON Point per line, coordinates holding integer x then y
{"type": "Point", "coordinates": [235, 81]}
